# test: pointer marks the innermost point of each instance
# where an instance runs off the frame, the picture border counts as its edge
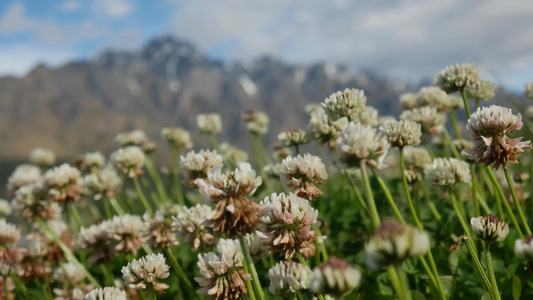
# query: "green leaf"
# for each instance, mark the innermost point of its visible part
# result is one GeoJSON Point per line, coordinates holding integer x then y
{"type": "Point", "coordinates": [486, 296]}
{"type": "Point", "coordinates": [517, 287]}
{"type": "Point", "coordinates": [384, 285]}
{"type": "Point", "coordinates": [416, 295]}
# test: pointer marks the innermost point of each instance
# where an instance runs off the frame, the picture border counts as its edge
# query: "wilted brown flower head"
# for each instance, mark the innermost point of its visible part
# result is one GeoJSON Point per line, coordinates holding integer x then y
{"type": "Point", "coordinates": [455, 78]}
{"type": "Point", "coordinates": [146, 271]}
{"type": "Point", "coordinates": [302, 174]}
{"type": "Point", "coordinates": [335, 277]}
{"type": "Point", "coordinates": [32, 201]}
{"type": "Point", "coordinates": [178, 138]}
{"type": "Point", "coordinates": [223, 274]}
{"type": "Point", "coordinates": [127, 232]}
{"type": "Point", "coordinates": [286, 224]}
{"type": "Point", "coordinates": [488, 128]}
{"type": "Point", "coordinates": [256, 121]}
{"type": "Point", "coordinates": [189, 225]}
{"type": "Point", "coordinates": [235, 213]}
{"type": "Point", "coordinates": [129, 160]}
{"type": "Point", "coordinates": [64, 184]}
{"type": "Point", "coordinates": [288, 277]}
{"type": "Point", "coordinates": [159, 232]}
{"type": "Point", "coordinates": [360, 143]}
{"type": "Point", "coordinates": [430, 119]}
{"type": "Point", "coordinates": [23, 175]}
{"type": "Point", "coordinates": [196, 165]}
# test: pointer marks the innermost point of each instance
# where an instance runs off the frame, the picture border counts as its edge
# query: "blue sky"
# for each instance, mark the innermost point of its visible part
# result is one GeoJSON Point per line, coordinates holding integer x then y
{"type": "Point", "coordinates": [408, 39]}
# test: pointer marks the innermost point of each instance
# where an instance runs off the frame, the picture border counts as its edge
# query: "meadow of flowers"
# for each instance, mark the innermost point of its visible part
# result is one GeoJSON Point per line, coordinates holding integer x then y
{"type": "Point", "coordinates": [388, 208]}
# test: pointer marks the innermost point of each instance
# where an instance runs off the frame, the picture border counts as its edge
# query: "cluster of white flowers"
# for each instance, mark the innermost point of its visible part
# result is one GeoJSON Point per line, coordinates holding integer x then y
{"type": "Point", "coordinates": [209, 123]}
{"type": "Point", "coordinates": [360, 143]}
{"type": "Point", "coordinates": [196, 165]}
{"type": "Point", "coordinates": [402, 133]}
{"type": "Point", "coordinates": [446, 172]}
{"type": "Point", "coordinates": [129, 160]}
{"type": "Point", "coordinates": [256, 121]}
{"type": "Point", "coordinates": [107, 293]}
{"type": "Point", "coordinates": [62, 176]}
{"type": "Point", "coordinates": [293, 137]}
{"type": "Point", "coordinates": [177, 137]}
{"type": "Point", "coordinates": [92, 160]}
{"type": "Point", "coordinates": [369, 116]}
{"type": "Point", "coordinates": [481, 90]}
{"type": "Point", "coordinates": [5, 208]}
{"type": "Point", "coordinates": [489, 228]}
{"type": "Point", "coordinates": [288, 277]}
{"type": "Point", "coordinates": [105, 183]}
{"type": "Point", "coordinates": [132, 138]}
{"type": "Point", "coordinates": [146, 271]}
{"type": "Point", "coordinates": [430, 119]}
{"type": "Point", "coordinates": [335, 277]}
{"type": "Point", "coordinates": [23, 175]}
{"type": "Point", "coordinates": [188, 224]}
{"type": "Point", "coordinates": [42, 157]}
{"type": "Point", "coordinates": [347, 103]}
{"type": "Point", "coordinates": [454, 78]}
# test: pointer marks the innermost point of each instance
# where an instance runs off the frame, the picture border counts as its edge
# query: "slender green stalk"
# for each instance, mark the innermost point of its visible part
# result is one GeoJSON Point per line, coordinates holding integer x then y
{"type": "Point", "coordinates": [460, 217]}
{"type": "Point", "coordinates": [474, 188]}
{"type": "Point", "coordinates": [116, 206]}
{"type": "Point", "coordinates": [453, 116]}
{"type": "Point", "coordinates": [387, 195]}
{"type": "Point", "coordinates": [355, 190]}
{"type": "Point", "coordinates": [429, 201]}
{"type": "Point", "coordinates": [515, 200]}
{"type": "Point", "coordinates": [213, 141]}
{"type": "Point", "coordinates": [491, 272]}
{"type": "Point", "coordinates": [48, 289]}
{"type": "Point", "coordinates": [369, 196]}
{"type": "Point", "coordinates": [75, 213]}
{"type": "Point", "coordinates": [177, 181]}
{"type": "Point", "coordinates": [143, 197]}
{"type": "Point", "coordinates": [153, 295]}
{"type": "Point", "coordinates": [473, 253]}
{"type": "Point", "coordinates": [448, 139]}
{"type": "Point", "coordinates": [297, 149]}
{"type": "Point", "coordinates": [428, 147]}
{"type": "Point", "coordinates": [109, 279]}
{"type": "Point", "coordinates": [251, 267]}
{"type": "Point", "coordinates": [465, 101]}
{"type": "Point", "coordinates": [249, 286]}
{"type": "Point", "coordinates": [156, 178]}
{"type": "Point", "coordinates": [256, 151]}
{"type": "Point", "coordinates": [181, 276]}
{"type": "Point", "coordinates": [107, 207]}
{"type": "Point", "coordinates": [434, 211]}
{"type": "Point", "coordinates": [396, 284]}
{"type": "Point", "coordinates": [404, 281]}
{"type": "Point", "coordinates": [6, 292]}
{"type": "Point", "coordinates": [68, 254]}
{"type": "Point", "coordinates": [510, 212]}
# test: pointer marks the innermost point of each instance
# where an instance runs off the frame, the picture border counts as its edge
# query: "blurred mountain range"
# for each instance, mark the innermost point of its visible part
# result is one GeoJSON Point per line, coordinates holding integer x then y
{"type": "Point", "coordinates": [81, 105]}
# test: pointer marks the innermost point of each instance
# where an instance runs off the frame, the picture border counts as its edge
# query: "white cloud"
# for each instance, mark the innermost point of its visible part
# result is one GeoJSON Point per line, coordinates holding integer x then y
{"type": "Point", "coordinates": [114, 8]}
{"type": "Point", "coordinates": [71, 5]}
{"type": "Point", "coordinates": [408, 38]}
{"type": "Point", "coordinates": [14, 20]}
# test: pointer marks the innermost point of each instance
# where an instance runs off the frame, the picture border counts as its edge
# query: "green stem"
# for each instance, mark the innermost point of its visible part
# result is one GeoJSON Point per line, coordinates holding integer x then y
{"type": "Point", "coordinates": [177, 181]}
{"type": "Point", "coordinates": [404, 281]}
{"type": "Point", "coordinates": [460, 216]}
{"type": "Point", "coordinates": [510, 212]}
{"type": "Point", "coordinates": [116, 206]}
{"type": "Point", "coordinates": [109, 279]}
{"type": "Point", "coordinates": [453, 116]}
{"type": "Point", "coordinates": [143, 197]}
{"type": "Point", "coordinates": [473, 253]}
{"type": "Point", "coordinates": [249, 286]}
{"type": "Point", "coordinates": [6, 292]}
{"type": "Point", "coordinates": [297, 148]}
{"type": "Point", "coordinates": [450, 143]}
{"type": "Point", "coordinates": [369, 196]}
{"type": "Point", "coordinates": [491, 272]}
{"type": "Point", "coordinates": [75, 213]}
{"type": "Point", "coordinates": [213, 141]}
{"type": "Point", "coordinates": [407, 193]}
{"type": "Point", "coordinates": [251, 266]}
{"type": "Point", "coordinates": [465, 101]}
{"type": "Point", "coordinates": [428, 147]}
{"type": "Point", "coordinates": [156, 178]}
{"type": "Point", "coordinates": [474, 188]}
{"type": "Point", "coordinates": [107, 207]}
{"type": "Point", "coordinates": [177, 268]}
{"type": "Point", "coordinates": [256, 151]}
{"type": "Point", "coordinates": [387, 194]}
{"type": "Point", "coordinates": [396, 285]}
{"type": "Point", "coordinates": [516, 202]}
{"type": "Point", "coordinates": [355, 190]}
{"type": "Point", "coordinates": [152, 292]}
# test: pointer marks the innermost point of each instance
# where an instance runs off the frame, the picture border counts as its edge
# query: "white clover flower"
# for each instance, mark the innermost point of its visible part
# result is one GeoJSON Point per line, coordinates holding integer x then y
{"type": "Point", "coordinates": [347, 103]}
{"type": "Point", "coordinates": [321, 128]}
{"type": "Point", "coordinates": [42, 157]}
{"type": "Point", "coordinates": [23, 175]}
{"type": "Point", "coordinates": [524, 248]}
{"type": "Point", "coordinates": [402, 133]}
{"type": "Point", "coordinates": [430, 119]}
{"type": "Point", "coordinates": [131, 138]}
{"type": "Point", "coordinates": [489, 228]}
{"type": "Point", "coordinates": [256, 121]}
{"type": "Point", "coordinates": [232, 155]}
{"type": "Point", "coordinates": [416, 160]}
{"type": "Point", "coordinates": [64, 183]}
{"type": "Point", "coordinates": [313, 108]}
{"type": "Point", "coordinates": [302, 174]}
{"type": "Point", "coordinates": [336, 277]}
{"type": "Point", "coordinates": [446, 172]}
{"type": "Point", "coordinates": [69, 274]}
{"type": "Point", "coordinates": [293, 138]}
{"type": "Point", "coordinates": [5, 208]}
{"type": "Point", "coordinates": [99, 239]}
{"type": "Point", "coordinates": [159, 232]}
{"type": "Point", "coordinates": [130, 160]}
{"type": "Point", "coordinates": [188, 224]}
{"type": "Point", "coordinates": [209, 123]}
{"type": "Point", "coordinates": [458, 77]}
{"type": "Point", "coordinates": [288, 277]}
{"type": "Point", "coordinates": [128, 232]}
{"type": "Point", "coordinates": [369, 116]}
{"type": "Point", "coordinates": [92, 160]}
{"type": "Point", "coordinates": [255, 244]}
{"type": "Point", "coordinates": [196, 165]}
{"type": "Point", "coordinates": [146, 271]}
{"type": "Point", "coordinates": [488, 128]}
{"type": "Point", "coordinates": [408, 101]}
{"type": "Point", "coordinates": [528, 90]}
{"type": "Point", "coordinates": [223, 274]}
{"type": "Point", "coordinates": [392, 243]}
{"type": "Point", "coordinates": [286, 224]}
{"type": "Point", "coordinates": [360, 143]}
{"type": "Point", "coordinates": [107, 293]}
{"type": "Point", "coordinates": [32, 201]}
{"type": "Point", "coordinates": [177, 137]}
{"type": "Point", "coordinates": [9, 234]}
{"type": "Point", "coordinates": [481, 90]}
{"type": "Point", "coordinates": [105, 183]}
